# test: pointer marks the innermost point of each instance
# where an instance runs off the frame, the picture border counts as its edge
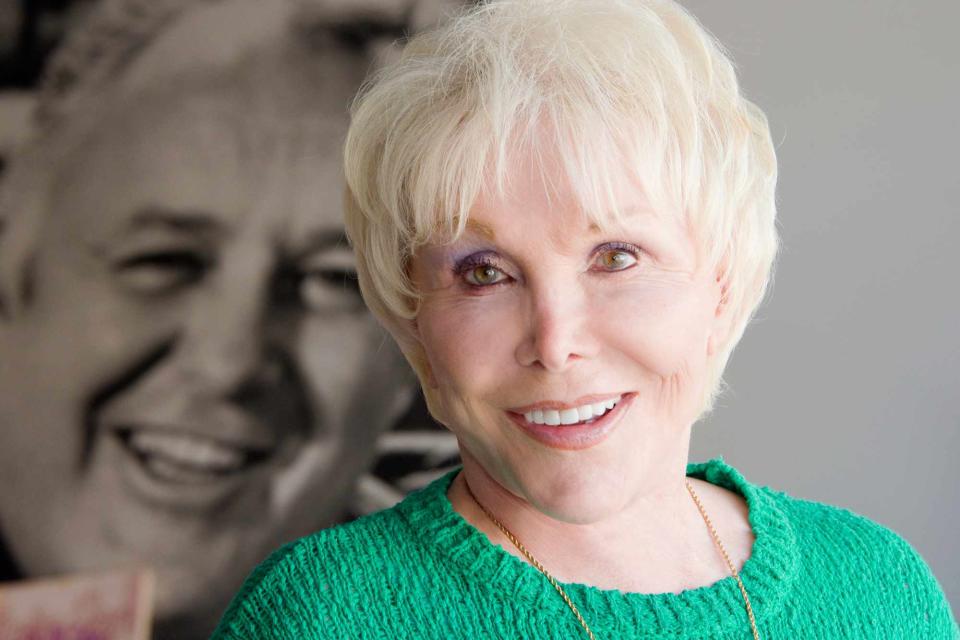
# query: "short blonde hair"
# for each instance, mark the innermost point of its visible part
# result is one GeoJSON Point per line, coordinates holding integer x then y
{"type": "Point", "coordinates": [619, 83]}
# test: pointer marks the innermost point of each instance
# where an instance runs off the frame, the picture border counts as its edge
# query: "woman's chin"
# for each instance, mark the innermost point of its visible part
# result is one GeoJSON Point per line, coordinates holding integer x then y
{"type": "Point", "coordinates": [575, 487]}
{"type": "Point", "coordinates": [576, 496]}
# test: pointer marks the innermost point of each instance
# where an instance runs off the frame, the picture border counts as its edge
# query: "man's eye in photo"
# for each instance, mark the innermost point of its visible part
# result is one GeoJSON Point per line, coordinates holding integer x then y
{"type": "Point", "coordinates": [320, 290]}
{"type": "Point", "coordinates": [161, 271]}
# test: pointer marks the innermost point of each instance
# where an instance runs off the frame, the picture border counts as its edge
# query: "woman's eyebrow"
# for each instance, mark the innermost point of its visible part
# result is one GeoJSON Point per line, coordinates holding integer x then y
{"type": "Point", "coordinates": [481, 229]}
{"type": "Point", "coordinates": [643, 212]}
{"type": "Point", "coordinates": [486, 231]}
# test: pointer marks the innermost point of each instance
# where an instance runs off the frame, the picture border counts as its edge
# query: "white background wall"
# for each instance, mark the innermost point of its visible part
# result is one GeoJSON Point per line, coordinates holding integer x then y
{"type": "Point", "coordinates": [846, 388]}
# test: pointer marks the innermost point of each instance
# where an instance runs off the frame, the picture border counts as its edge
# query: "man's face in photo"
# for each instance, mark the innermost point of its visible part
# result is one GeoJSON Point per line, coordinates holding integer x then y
{"type": "Point", "coordinates": [193, 378]}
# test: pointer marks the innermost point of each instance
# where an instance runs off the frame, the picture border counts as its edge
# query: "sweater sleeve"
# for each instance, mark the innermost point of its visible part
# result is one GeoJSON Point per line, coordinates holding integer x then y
{"type": "Point", "coordinates": [276, 602]}
{"type": "Point", "coordinates": [921, 598]}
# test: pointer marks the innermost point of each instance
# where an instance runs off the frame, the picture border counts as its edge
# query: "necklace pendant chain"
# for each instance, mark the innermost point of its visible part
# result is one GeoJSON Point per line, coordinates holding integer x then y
{"type": "Point", "coordinates": [563, 594]}
{"type": "Point", "coordinates": [723, 552]}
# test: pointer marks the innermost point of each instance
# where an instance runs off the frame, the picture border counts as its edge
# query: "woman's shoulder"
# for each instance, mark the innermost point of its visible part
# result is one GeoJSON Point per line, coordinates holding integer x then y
{"type": "Point", "coordinates": [842, 551]}
{"type": "Point", "coordinates": [832, 532]}
{"type": "Point", "coordinates": [296, 590]}
{"type": "Point", "coordinates": [292, 592]}
{"type": "Point", "coordinates": [842, 534]}
{"type": "Point", "coordinates": [844, 528]}
{"type": "Point", "coordinates": [366, 537]}
{"type": "Point", "coordinates": [369, 541]}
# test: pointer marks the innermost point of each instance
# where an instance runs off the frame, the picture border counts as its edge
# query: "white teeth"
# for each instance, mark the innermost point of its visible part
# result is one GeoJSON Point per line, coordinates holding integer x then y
{"type": "Point", "coordinates": [187, 450]}
{"type": "Point", "coordinates": [555, 417]}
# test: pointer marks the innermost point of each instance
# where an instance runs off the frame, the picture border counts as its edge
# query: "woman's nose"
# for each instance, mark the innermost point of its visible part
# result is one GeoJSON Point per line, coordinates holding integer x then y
{"type": "Point", "coordinates": [558, 332]}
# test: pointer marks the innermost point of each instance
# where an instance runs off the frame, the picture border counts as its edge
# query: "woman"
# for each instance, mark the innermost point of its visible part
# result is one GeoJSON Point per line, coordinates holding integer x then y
{"type": "Point", "coordinates": [188, 377]}
{"type": "Point", "coordinates": [563, 211]}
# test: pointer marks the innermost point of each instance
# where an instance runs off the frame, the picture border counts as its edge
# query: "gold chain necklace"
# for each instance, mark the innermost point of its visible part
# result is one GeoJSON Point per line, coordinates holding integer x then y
{"type": "Point", "coordinates": [556, 585]}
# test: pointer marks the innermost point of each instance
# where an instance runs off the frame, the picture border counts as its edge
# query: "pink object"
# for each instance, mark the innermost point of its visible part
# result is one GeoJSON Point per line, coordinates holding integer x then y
{"type": "Point", "coordinates": [106, 606]}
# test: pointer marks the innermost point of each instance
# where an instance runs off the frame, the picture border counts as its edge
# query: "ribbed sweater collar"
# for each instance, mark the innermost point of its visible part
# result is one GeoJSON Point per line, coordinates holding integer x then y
{"type": "Point", "coordinates": [768, 574]}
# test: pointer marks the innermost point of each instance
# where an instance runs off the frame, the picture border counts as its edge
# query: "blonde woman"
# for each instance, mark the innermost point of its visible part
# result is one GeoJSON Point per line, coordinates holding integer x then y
{"type": "Point", "coordinates": [563, 211]}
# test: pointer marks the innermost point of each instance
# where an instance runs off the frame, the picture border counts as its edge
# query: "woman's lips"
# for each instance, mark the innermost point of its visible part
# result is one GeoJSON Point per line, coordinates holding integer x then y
{"type": "Point", "coordinates": [581, 435]}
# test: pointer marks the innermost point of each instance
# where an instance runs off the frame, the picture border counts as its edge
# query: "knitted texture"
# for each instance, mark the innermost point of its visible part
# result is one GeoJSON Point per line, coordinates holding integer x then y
{"type": "Point", "coordinates": [419, 570]}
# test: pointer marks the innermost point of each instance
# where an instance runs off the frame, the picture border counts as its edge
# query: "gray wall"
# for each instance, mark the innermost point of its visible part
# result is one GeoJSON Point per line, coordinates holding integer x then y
{"type": "Point", "coordinates": [845, 389]}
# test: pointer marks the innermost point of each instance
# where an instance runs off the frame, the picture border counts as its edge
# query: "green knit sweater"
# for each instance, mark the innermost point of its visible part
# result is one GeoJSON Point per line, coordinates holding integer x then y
{"type": "Point", "coordinates": [419, 570]}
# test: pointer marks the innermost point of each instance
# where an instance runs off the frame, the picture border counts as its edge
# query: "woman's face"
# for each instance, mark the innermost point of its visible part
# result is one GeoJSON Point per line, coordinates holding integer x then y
{"type": "Point", "coordinates": [194, 378]}
{"type": "Point", "coordinates": [534, 312]}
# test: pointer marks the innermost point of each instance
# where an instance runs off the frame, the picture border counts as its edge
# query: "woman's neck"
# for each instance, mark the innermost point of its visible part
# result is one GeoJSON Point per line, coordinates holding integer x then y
{"type": "Point", "coordinates": [658, 543]}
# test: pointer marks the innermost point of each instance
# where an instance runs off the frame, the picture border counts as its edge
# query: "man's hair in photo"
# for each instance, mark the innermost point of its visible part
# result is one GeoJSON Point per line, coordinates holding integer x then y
{"type": "Point", "coordinates": [84, 73]}
{"type": "Point", "coordinates": [91, 56]}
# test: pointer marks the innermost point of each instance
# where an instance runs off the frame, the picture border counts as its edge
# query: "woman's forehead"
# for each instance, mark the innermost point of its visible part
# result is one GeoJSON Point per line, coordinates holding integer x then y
{"type": "Point", "coordinates": [540, 194]}
{"type": "Point", "coordinates": [539, 180]}
{"type": "Point", "coordinates": [539, 167]}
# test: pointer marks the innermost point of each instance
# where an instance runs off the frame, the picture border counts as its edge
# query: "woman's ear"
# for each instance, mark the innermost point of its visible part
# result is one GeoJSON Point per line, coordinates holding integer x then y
{"type": "Point", "coordinates": [722, 314]}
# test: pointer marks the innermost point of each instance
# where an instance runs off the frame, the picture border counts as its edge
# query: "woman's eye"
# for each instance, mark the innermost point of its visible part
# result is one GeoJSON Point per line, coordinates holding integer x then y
{"type": "Point", "coordinates": [616, 259]}
{"type": "Point", "coordinates": [162, 271]}
{"type": "Point", "coordinates": [484, 275]}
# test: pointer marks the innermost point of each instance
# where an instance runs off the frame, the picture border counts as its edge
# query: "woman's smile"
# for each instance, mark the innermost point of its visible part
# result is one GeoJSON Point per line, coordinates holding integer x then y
{"type": "Point", "coordinates": [554, 412]}
{"type": "Point", "coordinates": [583, 425]}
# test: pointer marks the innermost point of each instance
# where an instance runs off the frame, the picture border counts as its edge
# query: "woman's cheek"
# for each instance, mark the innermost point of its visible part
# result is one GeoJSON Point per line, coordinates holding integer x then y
{"type": "Point", "coordinates": [666, 325]}
{"type": "Point", "coordinates": [469, 339]}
